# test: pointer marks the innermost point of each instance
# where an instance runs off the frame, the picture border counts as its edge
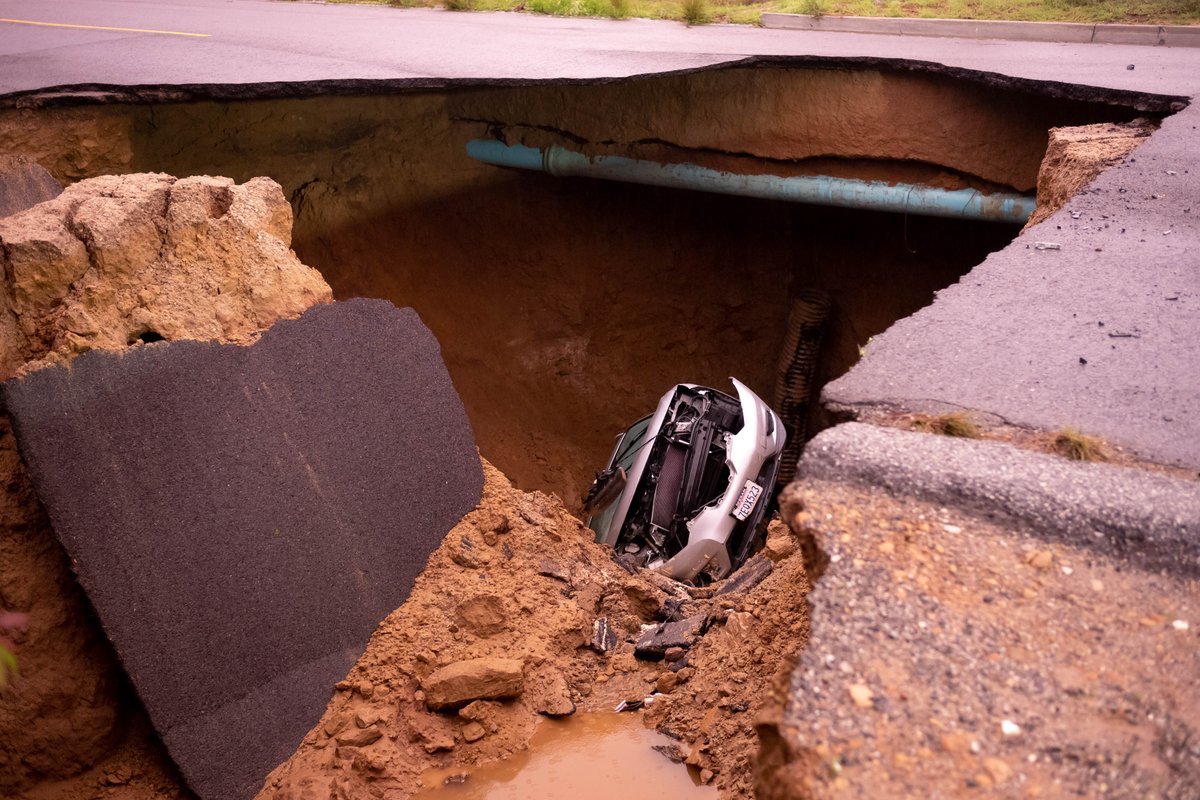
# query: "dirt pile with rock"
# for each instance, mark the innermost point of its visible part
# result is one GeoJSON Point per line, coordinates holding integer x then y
{"type": "Point", "coordinates": [519, 615]}
{"type": "Point", "coordinates": [108, 263]}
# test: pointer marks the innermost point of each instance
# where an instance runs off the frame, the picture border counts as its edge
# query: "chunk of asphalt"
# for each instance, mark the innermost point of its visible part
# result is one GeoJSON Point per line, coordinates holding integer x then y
{"type": "Point", "coordinates": [1123, 511]}
{"type": "Point", "coordinates": [243, 517]}
{"type": "Point", "coordinates": [654, 643]}
{"type": "Point", "coordinates": [23, 184]}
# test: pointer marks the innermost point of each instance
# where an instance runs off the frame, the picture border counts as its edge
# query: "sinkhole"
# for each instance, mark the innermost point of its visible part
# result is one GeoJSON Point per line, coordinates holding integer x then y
{"type": "Point", "coordinates": [565, 307]}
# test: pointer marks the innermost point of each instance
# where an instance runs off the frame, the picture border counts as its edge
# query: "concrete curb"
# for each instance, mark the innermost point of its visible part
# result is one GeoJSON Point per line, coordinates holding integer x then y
{"type": "Point", "coordinates": [1067, 32]}
{"type": "Point", "coordinates": [1149, 519]}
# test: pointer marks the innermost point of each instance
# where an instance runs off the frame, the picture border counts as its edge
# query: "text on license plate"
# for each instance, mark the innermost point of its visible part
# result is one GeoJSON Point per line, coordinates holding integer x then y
{"type": "Point", "coordinates": [747, 500]}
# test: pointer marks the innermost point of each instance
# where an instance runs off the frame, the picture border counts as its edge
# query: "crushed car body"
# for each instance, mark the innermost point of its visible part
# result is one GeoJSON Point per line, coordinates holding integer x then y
{"type": "Point", "coordinates": [687, 488]}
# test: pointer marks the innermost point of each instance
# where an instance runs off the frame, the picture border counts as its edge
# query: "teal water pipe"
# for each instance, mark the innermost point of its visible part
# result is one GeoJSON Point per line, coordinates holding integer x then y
{"type": "Point", "coordinates": [823, 190]}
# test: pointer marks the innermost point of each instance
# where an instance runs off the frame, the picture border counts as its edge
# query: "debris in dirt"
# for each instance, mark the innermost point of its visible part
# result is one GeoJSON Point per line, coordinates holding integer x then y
{"type": "Point", "coordinates": [861, 695]}
{"type": "Point", "coordinates": [670, 611]}
{"type": "Point", "coordinates": [1047, 246]}
{"type": "Point", "coordinates": [468, 555]}
{"type": "Point", "coordinates": [632, 705]}
{"type": "Point", "coordinates": [603, 637]}
{"type": "Point", "coordinates": [483, 615]}
{"type": "Point", "coordinates": [555, 700]}
{"type": "Point", "coordinates": [358, 737]}
{"type": "Point", "coordinates": [749, 576]}
{"type": "Point", "coordinates": [672, 752]}
{"type": "Point", "coordinates": [474, 679]}
{"type": "Point", "coordinates": [473, 732]}
{"type": "Point", "coordinates": [552, 569]}
{"type": "Point", "coordinates": [653, 644]}
{"type": "Point", "coordinates": [1009, 728]}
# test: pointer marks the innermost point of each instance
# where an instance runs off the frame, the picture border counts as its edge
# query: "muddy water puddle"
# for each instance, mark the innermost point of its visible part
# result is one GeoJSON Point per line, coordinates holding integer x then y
{"type": "Point", "coordinates": [598, 756]}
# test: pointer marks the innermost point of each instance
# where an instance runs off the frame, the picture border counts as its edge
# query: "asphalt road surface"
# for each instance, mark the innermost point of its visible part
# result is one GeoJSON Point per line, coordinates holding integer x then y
{"type": "Point", "coordinates": [248, 41]}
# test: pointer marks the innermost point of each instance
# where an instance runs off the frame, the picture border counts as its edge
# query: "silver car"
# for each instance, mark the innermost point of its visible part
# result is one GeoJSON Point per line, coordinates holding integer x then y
{"type": "Point", "coordinates": [687, 488]}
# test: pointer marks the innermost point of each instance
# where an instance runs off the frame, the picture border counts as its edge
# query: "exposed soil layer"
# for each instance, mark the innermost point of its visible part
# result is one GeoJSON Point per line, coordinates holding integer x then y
{"type": "Point", "coordinates": [952, 655]}
{"type": "Point", "coordinates": [565, 308]}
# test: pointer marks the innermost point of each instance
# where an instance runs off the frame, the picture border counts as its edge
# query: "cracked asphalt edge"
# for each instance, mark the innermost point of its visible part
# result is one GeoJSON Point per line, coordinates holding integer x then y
{"type": "Point", "coordinates": [1124, 512]}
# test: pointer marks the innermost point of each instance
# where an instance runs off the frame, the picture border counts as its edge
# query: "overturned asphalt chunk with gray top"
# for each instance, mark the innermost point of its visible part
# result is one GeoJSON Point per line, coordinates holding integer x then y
{"type": "Point", "coordinates": [243, 517]}
{"type": "Point", "coordinates": [23, 184]}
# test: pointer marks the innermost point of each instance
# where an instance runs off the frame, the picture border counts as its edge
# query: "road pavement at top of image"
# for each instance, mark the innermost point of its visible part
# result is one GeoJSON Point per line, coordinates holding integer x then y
{"type": "Point", "coordinates": [253, 41]}
{"type": "Point", "coordinates": [1101, 333]}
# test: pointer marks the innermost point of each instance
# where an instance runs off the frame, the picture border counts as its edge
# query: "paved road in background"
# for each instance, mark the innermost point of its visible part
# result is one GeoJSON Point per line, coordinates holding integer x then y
{"type": "Point", "coordinates": [1102, 335]}
{"type": "Point", "coordinates": [248, 41]}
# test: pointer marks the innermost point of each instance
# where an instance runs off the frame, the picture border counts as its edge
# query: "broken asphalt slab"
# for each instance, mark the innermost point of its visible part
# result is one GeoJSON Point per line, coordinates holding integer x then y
{"type": "Point", "coordinates": [23, 184]}
{"type": "Point", "coordinates": [243, 517]}
{"type": "Point", "coordinates": [1120, 511]}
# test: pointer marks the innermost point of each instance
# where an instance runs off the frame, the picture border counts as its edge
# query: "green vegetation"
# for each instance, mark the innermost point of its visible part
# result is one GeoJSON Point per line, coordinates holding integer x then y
{"type": "Point", "coordinates": [695, 12]}
{"type": "Point", "coordinates": [958, 424]}
{"type": "Point", "coordinates": [1070, 443]}
{"type": "Point", "coordinates": [1169, 12]}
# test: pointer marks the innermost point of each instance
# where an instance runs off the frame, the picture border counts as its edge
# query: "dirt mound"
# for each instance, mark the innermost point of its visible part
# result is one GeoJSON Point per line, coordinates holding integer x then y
{"type": "Point", "coordinates": [108, 261]}
{"type": "Point", "coordinates": [501, 628]}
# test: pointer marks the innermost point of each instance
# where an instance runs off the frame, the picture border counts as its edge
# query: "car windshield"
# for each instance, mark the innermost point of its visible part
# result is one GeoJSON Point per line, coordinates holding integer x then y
{"type": "Point", "coordinates": [626, 450]}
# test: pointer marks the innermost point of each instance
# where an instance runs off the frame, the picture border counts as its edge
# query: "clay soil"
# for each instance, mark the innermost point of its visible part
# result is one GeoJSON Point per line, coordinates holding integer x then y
{"type": "Point", "coordinates": [520, 578]}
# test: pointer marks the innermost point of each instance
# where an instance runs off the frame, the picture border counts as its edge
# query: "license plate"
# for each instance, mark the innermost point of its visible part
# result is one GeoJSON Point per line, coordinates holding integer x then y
{"type": "Point", "coordinates": [747, 500]}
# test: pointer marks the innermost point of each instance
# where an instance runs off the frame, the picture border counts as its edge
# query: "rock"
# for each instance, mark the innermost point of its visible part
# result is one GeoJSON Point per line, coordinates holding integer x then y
{"type": "Point", "coordinates": [672, 752]}
{"type": "Point", "coordinates": [999, 770]}
{"type": "Point", "coordinates": [1040, 559]}
{"type": "Point", "coordinates": [673, 654]}
{"type": "Point", "coordinates": [706, 776]}
{"type": "Point", "coordinates": [861, 695]}
{"type": "Point", "coordinates": [468, 556]}
{"type": "Point", "coordinates": [367, 717]}
{"type": "Point", "coordinates": [434, 733]}
{"type": "Point", "coordinates": [483, 615]}
{"type": "Point", "coordinates": [478, 711]}
{"type": "Point", "coordinates": [358, 737]}
{"type": "Point", "coordinates": [780, 544]}
{"type": "Point", "coordinates": [667, 682]}
{"type": "Point", "coordinates": [671, 611]}
{"type": "Point", "coordinates": [473, 732]}
{"type": "Point", "coordinates": [556, 698]}
{"type": "Point", "coordinates": [119, 257]}
{"type": "Point", "coordinates": [476, 679]}
{"type": "Point", "coordinates": [552, 569]}
{"type": "Point", "coordinates": [653, 644]}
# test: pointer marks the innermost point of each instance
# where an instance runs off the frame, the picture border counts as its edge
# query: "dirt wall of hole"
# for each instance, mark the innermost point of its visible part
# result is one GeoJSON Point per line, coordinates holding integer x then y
{"type": "Point", "coordinates": [565, 308]}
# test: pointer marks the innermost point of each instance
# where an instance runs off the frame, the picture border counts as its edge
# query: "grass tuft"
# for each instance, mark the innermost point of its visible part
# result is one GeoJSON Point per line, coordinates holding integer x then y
{"type": "Point", "coordinates": [958, 424]}
{"type": "Point", "coordinates": [620, 9]}
{"type": "Point", "coordinates": [695, 12]}
{"type": "Point", "coordinates": [814, 8]}
{"type": "Point", "coordinates": [1070, 443]}
{"type": "Point", "coordinates": [458, 5]}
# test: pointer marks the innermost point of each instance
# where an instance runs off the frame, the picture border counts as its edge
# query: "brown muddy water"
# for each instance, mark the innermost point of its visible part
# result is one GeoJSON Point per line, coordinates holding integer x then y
{"type": "Point", "coordinates": [598, 756]}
